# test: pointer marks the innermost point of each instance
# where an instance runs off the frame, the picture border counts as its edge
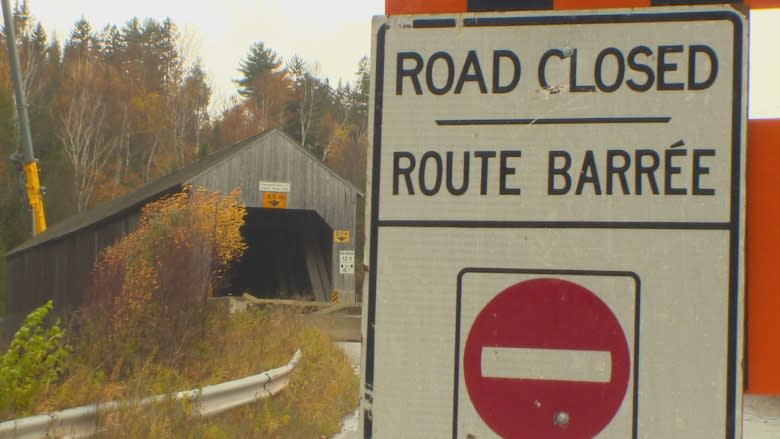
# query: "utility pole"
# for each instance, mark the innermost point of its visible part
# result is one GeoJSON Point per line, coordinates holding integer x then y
{"type": "Point", "coordinates": [29, 164]}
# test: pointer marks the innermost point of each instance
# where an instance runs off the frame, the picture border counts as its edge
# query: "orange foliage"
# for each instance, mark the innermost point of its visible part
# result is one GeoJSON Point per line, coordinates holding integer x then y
{"type": "Point", "coordinates": [266, 108]}
{"type": "Point", "coordinates": [238, 123]}
{"type": "Point", "coordinates": [347, 155]}
{"type": "Point", "coordinates": [160, 275]}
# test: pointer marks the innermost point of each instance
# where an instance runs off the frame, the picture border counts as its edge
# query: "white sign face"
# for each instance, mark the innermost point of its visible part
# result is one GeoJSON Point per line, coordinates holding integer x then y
{"type": "Point", "coordinates": [594, 158]}
{"type": "Point", "coordinates": [346, 261]}
{"type": "Point", "coordinates": [274, 186]}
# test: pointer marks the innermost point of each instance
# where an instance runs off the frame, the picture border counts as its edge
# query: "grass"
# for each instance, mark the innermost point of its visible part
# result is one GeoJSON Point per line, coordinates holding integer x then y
{"type": "Point", "coordinates": [323, 388]}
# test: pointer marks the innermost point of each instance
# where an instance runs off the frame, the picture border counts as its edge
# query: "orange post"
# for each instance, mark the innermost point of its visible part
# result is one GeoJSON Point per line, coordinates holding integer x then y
{"type": "Point", "coordinates": [762, 4]}
{"type": "Point", "coordinates": [763, 253]}
{"type": "Point", "coordinates": [397, 7]}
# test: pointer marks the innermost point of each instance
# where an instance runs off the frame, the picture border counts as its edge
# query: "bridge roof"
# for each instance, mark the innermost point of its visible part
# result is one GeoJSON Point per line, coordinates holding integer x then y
{"type": "Point", "coordinates": [170, 183]}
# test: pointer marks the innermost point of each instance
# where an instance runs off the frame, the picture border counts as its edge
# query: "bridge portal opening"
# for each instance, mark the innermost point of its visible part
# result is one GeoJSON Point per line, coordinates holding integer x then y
{"type": "Point", "coordinates": [288, 256]}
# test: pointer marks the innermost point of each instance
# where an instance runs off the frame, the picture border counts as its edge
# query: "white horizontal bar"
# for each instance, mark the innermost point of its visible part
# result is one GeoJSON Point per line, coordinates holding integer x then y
{"type": "Point", "coordinates": [547, 364]}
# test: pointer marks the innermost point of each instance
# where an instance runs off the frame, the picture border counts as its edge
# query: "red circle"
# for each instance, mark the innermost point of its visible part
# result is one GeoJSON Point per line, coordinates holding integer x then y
{"type": "Point", "coordinates": [546, 314]}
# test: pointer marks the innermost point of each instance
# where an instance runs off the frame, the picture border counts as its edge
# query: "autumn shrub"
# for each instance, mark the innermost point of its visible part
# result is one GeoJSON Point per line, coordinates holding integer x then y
{"type": "Point", "coordinates": [34, 360]}
{"type": "Point", "coordinates": [323, 387]}
{"type": "Point", "coordinates": [147, 301]}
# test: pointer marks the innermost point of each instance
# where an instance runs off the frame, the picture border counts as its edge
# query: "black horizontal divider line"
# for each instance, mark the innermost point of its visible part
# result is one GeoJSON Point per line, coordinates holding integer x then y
{"type": "Point", "coordinates": [556, 121]}
{"type": "Point", "coordinates": [433, 23]}
{"type": "Point", "coordinates": [492, 224]}
{"type": "Point", "coordinates": [508, 5]}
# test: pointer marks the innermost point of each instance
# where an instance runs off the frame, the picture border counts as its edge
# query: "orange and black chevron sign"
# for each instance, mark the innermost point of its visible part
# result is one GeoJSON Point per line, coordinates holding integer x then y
{"type": "Point", "coordinates": [395, 7]}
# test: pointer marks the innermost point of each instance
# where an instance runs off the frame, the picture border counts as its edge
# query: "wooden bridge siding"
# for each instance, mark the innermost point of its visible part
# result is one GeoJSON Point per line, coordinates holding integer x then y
{"type": "Point", "coordinates": [312, 187]}
{"type": "Point", "coordinates": [345, 283]}
{"type": "Point", "coordinates": [60, 269]}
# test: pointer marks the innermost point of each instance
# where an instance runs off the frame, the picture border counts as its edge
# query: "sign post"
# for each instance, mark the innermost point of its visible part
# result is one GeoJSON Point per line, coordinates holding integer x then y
{"type": "Point", "coordinates": [557, 225]}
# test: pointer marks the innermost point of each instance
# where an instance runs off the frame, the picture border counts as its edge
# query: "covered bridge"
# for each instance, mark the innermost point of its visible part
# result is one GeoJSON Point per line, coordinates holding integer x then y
{"type": "Point", "coordinates": [300, 228]}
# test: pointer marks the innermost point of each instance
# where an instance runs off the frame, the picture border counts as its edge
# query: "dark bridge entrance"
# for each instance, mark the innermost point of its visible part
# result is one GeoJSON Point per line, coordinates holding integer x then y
{"type": "Point", "coordinates": [288, 256]}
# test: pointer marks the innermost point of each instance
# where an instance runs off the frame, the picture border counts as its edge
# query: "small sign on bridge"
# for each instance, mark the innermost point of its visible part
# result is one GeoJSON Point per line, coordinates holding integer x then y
{"type": "Point", "coordinates": [346, 261]}
{"type": "Point", "coordinates": [274, 186]}
{"type": "Point", "coordinates": [341, 236]}
{"type": "Point", "coordinates": [274, 194]}
{"type": "Point", "coordinates": [275, 200]}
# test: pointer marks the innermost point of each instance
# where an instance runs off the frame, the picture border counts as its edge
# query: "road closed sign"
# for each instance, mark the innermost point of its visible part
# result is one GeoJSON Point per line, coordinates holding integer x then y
{"type": "Point", "coordinates": [557, 225]}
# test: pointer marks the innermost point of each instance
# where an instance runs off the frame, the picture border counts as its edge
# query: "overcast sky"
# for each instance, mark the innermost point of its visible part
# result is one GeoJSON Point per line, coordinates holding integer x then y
{"type": "Point", "coordinates": [336, 34]}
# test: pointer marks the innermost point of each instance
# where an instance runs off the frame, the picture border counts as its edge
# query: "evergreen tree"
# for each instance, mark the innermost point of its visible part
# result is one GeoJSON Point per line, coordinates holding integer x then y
{"type": "Point", "coordinates": [80, 40]}
{"type": "Point", "coordinates": [22, 20]}
{"type": "Point", "coordinates": [258, 62]}
{"type": "Point", "coordinates": [111, 44]}
{"type": "Point", "coordinates": [39, 39]}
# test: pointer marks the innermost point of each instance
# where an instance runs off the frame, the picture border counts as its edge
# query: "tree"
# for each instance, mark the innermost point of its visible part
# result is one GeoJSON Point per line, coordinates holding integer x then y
{"type": "Point", "coordinates": [347, 150]}
{"type": "Point", "coordinates": [80, 40]}
{"type": "Point", "coordinates": [360, 96]}
{"type": "Point", "coordinates": [265, 87]}
{"type": "Point", "coordinates": [347, 156]}
{"type": "Point", "coordinates": [30, 36]}
{"type": "Point", "coordinates": [236, 122]}
{"type": "Point", "coordinates": [144, 103]}
{"type": "Point", "coordinates": [188, 110]}
{"type": "Point", "coordinates": [258, 62]}
{"type": "Point", "coordinates": [109, 110]}
{"type": "Point", "coordinates": [82, 134]}
{"type": "Point", "coordinates": [110, 44]}
{"type": "Point", "coordinates": [305, 84]}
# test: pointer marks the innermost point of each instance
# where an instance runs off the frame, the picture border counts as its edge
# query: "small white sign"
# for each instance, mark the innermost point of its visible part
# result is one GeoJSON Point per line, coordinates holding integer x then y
{"type": "Point", "coordinates": [274, 186]}
{"type": "Point", "coordinates": [346, 261]}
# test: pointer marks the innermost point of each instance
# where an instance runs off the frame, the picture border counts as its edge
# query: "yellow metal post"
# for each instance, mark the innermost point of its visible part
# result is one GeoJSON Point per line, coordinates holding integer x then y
{"type": "Point", "coordinates": [34, 196]}
{"type": "Point", "coordinates": [32, 182]}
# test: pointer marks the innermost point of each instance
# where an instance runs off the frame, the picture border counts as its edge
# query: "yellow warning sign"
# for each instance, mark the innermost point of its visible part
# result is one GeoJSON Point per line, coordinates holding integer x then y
{"type": "Point", "coordinates": [334, 296]}
{"type": "Point", "coordinates": [275, 200]}
{"type": "Point", "coordinates": [341, 236]}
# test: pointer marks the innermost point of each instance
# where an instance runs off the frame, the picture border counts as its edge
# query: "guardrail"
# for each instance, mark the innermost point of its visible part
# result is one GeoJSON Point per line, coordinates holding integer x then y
{"type": "Point", "coordinates": [81, 422]}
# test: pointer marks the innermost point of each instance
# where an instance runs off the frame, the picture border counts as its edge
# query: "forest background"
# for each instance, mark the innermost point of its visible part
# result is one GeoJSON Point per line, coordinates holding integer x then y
{"type": "Point", "coordinates": [114, 108]}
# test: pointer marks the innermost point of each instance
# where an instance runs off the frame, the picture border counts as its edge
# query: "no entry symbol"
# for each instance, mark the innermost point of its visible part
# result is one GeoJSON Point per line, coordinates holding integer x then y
{"type": "Point", "coordinates": [546, 358]}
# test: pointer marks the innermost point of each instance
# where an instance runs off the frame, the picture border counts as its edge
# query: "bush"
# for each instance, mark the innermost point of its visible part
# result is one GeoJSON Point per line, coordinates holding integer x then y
{"type": "Point", "coordinates": [323, 387]}
{"type": "Point", "coordinates": [33, 361]}
{"type": "Point", "coordinates": [150, 288]}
